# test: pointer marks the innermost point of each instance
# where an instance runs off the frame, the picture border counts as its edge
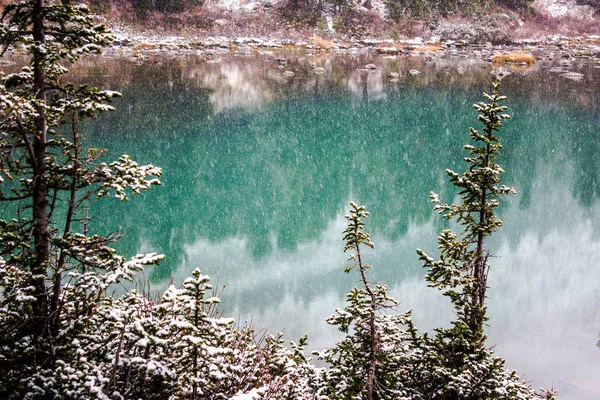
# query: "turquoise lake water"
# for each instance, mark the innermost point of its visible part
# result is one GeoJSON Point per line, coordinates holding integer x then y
{"type": "Point", "coordinates": [259, 170]}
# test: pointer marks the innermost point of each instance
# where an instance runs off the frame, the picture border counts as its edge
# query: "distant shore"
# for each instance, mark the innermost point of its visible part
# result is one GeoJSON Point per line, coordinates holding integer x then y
{"type": "Point", "coordinates": [139, 47]}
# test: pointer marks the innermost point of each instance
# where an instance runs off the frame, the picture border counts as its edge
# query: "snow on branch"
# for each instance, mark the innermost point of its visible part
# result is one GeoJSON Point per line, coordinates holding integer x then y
{"type": "Point", "coordinates": [126, 174]}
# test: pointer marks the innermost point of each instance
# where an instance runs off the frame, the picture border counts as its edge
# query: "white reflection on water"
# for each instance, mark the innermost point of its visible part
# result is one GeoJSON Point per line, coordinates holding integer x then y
{"type": "Point", "coordinates": [543, 306]}
{"type": "Point", "coordinates": [249, 86]}
{"type": "Point", "coordinates": [544, 309]}
{"type": "Point", "coordinates": [233, 85]}
{"type": "Point", "coordinates": [367, 84]}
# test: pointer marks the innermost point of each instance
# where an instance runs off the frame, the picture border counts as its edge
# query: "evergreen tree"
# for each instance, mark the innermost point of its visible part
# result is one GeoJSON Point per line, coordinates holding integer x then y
{"type": "Point", "coordinates": [454, 363]}
{"type": "Point", "coordinates": [464, 259]}
{"type": "Point", "coordinates": [199, 344]}
{"type": "Point", "coordinates": [209, 359]}
{"type": "Point", "coordinates": [371, 361]}
{"type": "Point", "coordinates": [52, 277]}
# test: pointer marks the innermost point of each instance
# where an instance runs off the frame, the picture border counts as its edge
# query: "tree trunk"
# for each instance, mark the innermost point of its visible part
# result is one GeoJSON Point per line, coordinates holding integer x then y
{"type": "Point", "coordinates": [372, 330]}
{"type": "Point", "coordinates": [479, 274]}
{"type": "Point", "coordinates": [55, 304]}
{"type": "Point", "coordinates": [40, 190]}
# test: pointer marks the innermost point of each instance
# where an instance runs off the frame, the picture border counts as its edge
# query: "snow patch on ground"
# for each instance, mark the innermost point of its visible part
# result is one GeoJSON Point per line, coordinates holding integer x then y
{"type": "Point", "coordinates": [564, 8]}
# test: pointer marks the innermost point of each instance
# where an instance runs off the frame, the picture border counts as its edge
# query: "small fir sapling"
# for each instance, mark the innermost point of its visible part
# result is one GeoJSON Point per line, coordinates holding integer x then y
{"type": "Point", "coordinates": [370, 361]}
{"type": "Point", "coordinates": [455, 362]}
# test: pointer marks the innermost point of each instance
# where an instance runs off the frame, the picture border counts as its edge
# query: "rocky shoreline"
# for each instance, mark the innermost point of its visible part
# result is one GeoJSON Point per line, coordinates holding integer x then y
{"type": "Point", "coordinates": [558, 54]}
{"type": "Point", "coordinates": [551, 48]}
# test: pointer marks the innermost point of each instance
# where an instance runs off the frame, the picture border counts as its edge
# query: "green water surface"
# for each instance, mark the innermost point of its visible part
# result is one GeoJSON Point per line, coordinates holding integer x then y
{"type": "Point", "coordinates": [259, 169]}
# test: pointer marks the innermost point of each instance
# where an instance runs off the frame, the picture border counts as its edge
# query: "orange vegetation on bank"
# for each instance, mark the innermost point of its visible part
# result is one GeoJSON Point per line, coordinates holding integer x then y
{"type": "Point", "coordinates": [513, 58]}
{"type": "Point", "coordinates": [322, 43]}
{"type": "Point", "coordinates": [429, 47]}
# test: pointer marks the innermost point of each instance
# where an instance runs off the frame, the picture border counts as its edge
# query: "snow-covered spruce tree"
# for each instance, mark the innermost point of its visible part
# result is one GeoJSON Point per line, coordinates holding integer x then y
{"type": "Point", "coordinates": [454, 362]}
{"type": "Point", "coordinates": [464, 259]}
{"type": "Point", "coordinates": [199, 345]}
{"type": "Point", "coordinates": [52, 277]}
{"type": "Point", "coordinates": [370, 363]}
